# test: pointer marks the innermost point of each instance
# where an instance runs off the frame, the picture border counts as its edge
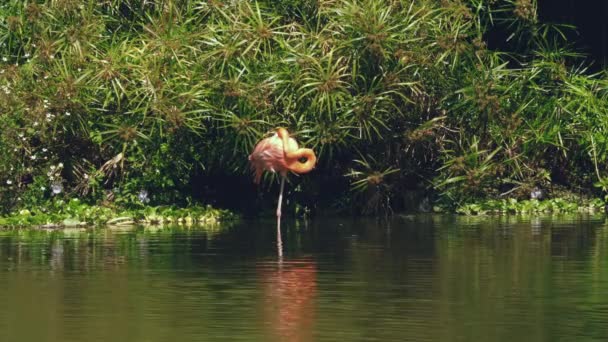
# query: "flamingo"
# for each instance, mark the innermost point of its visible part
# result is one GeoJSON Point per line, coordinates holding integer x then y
{"type": "Point", "coordinates": [280, 153]}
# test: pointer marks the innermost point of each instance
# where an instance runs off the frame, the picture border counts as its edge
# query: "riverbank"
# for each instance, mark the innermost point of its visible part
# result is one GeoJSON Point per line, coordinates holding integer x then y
{"type": "Point", "coordinates": [74, 213]}
{"type": "Point", "coordinates": [533, 206]}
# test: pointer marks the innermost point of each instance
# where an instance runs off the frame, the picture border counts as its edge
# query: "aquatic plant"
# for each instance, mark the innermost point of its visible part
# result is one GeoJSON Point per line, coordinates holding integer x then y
{"type": "Point", "coordinates": [533, 206]}
{"type": "Point", "coordinates": [76, 213]}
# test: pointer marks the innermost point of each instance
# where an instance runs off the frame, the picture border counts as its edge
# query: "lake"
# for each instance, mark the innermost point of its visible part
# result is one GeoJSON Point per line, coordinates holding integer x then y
{"type": "Point", "coordinates": [411, 278]}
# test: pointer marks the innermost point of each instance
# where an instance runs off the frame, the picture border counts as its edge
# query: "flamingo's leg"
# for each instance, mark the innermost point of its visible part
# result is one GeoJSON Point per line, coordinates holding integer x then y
{"type": "Point", "coordinates": [281, 197]}
{"type": "Point", "coordinates": [279, 239]}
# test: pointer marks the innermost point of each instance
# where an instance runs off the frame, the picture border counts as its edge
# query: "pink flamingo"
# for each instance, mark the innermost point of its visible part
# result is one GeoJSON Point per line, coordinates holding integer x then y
{"type": "Point", "coordinates": [280, 153]}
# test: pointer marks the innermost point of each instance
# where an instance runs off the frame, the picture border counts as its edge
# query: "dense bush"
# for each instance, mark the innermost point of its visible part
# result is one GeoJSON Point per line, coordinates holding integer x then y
{"type": "Point", "coordinates": [104, 99]}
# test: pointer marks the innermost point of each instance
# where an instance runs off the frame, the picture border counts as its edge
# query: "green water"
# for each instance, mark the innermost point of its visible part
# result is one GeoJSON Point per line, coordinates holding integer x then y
{"type": "Point", "coordinates": [419, 278]}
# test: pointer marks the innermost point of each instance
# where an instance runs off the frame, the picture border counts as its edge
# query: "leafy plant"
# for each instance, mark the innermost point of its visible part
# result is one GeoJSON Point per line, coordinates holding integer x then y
{"type": "Point", "coordinates": [163, 97]}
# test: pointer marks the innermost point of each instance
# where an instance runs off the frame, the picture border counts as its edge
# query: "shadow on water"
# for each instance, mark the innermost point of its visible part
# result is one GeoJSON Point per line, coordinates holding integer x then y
{"type": "Point", "coordinates": [417, 278]}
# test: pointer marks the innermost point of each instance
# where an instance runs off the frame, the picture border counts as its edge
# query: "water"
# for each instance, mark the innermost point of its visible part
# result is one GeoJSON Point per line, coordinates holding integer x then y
{"type": "Point", "coordinates": [418, 278]}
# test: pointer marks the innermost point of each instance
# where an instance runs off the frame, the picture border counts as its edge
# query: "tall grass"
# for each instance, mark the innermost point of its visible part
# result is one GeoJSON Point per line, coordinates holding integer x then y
{"type": "Point", "coordinates": [393, 95]}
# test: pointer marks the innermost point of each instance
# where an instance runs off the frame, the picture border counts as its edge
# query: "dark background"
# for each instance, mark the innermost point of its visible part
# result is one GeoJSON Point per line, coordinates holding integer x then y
{"type": "Point", "coordinates": [591, 20]}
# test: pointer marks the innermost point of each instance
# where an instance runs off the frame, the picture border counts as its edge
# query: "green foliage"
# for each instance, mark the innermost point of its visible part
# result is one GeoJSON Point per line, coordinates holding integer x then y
{"type": "Point", "coordinates": [371, 185]}
{"type": "Point", "coordinates": [513, 206]}
{"type": "Point", "coordinates": [129, 96]}
{"type": "Point", "coordinates": [75, 213]}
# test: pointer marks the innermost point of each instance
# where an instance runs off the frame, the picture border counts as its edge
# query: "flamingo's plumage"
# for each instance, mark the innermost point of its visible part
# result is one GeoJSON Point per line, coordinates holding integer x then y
{"type": "Point", "coordinates": [280, 153]}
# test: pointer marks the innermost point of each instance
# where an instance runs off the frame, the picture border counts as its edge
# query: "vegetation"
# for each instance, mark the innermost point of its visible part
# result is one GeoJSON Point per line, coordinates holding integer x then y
{"type": "Point", "coordinates": [533, 206]}
{"type": "Point", "coordinates": [77, 214]}
{"type": "Point", "coordinates": [107, 100]}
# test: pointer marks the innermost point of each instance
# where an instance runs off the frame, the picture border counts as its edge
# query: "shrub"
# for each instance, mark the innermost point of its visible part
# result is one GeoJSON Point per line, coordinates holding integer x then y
{"type": "Point", "coordinates": [129, 96]}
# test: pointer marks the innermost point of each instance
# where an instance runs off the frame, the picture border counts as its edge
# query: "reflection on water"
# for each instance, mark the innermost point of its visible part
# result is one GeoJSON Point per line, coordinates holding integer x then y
{"type": "Point", "coordinates": [289, 290]}
{"type": "Point", "coordinates": [416, 278]}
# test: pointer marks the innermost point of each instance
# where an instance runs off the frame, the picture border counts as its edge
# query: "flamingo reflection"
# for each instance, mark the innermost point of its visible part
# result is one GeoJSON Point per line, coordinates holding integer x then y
{"type": "Point", "coordinates": [289, 290]}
